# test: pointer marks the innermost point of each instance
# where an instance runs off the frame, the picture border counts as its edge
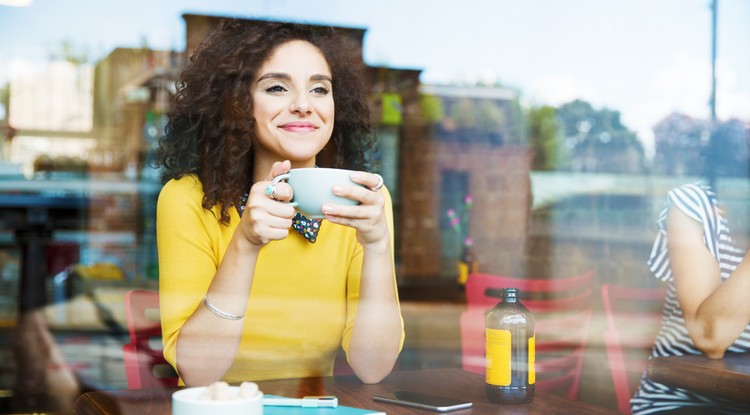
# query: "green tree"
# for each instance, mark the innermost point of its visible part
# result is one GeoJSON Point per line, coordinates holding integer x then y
{"type": "Point", "coordinates": [543, 131]}
{"type": "Point", "coordinates": [69, 52]}
{"type": "Point", "coordinates": [598, 134]}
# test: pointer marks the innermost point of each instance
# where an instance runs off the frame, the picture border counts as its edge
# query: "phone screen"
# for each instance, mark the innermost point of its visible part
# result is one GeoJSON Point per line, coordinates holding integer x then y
{"type": "Point", "coordinates": [424, 401]}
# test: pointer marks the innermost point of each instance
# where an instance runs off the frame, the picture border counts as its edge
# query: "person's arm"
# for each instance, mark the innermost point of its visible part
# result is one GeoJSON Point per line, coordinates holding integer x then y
{"type": "Point", "coordinates": [715, 313]}
{"type": "Point", "coordinates": [187, 271]}
{"type": "Point", "coordinates": [206, 343]}
{"type": "Point", "coordinates": [377, 332]}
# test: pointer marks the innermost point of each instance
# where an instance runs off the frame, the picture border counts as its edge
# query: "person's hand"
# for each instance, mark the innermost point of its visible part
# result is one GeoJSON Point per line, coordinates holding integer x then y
{"type": "Point", "coordinates": [267, 217]}
{"type": "Point", "coordinates": [368, 218]}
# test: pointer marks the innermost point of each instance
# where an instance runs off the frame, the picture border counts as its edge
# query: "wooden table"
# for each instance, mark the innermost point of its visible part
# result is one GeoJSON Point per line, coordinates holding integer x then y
{"type": "Point", "coordinates": [727, 378]}
{"type": "Point", "coordinates": [351, 392]}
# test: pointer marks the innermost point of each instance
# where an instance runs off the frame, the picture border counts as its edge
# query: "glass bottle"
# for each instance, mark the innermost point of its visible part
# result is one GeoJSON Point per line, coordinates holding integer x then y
{"type": "Point", "coordinates": [510, 341]}
{"type": "Point", "coordinates": [468, 263]}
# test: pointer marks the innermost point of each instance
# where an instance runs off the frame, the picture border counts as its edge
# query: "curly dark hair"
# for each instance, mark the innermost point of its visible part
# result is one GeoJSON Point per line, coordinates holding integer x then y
{"type": "Point", "coordinates": [211, 129]}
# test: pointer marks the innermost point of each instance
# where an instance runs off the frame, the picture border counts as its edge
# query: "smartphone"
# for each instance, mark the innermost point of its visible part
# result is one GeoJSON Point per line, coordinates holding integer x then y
{"type": "Point", "coordinates": [422, 400]}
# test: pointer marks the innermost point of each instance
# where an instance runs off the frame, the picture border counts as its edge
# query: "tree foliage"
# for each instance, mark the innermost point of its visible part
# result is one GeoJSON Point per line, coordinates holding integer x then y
{"type": "Point", "coordinates": [598, 139]}
{"type": "Point", "coordinates": [543, 131]}
{"type": "Point", "coordinates": [69, 52]}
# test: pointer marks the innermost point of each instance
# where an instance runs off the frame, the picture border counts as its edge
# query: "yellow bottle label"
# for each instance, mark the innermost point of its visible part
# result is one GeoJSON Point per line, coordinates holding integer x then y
{"type": "Point", "coordinates": [532, 360]}
{"type": "Point", "coordinates": [463, 272]}
{"type": "Point", "coordinates": [498, 357]}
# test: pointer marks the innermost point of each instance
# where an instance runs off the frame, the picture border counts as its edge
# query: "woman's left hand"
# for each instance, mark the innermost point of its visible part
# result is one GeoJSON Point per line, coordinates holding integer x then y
{"type": "Point", "coordinates": [368, 218]}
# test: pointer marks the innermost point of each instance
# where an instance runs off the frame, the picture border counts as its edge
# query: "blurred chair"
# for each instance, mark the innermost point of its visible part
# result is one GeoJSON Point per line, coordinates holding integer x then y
{"type": "Point", "coordinates": [633, 317]}
{"type": "Point", "coordinates": [562, 309]}
{"type": "Point", "coordinates": [145, 366]}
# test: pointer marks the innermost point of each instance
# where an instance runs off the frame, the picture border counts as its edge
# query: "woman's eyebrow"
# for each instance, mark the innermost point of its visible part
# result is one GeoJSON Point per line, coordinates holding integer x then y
{"type": "Point", "coordinates": [274, 75]}
{"type": "Point", "coordinates": [286, 76]}
{"type": "Point", "coordinates": [321, 78]}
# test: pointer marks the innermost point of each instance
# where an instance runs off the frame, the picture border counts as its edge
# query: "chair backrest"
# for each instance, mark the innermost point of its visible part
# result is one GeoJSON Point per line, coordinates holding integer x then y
{"type": "Point", "coordinates": [633, 317]}
{"type": "Point", "coordinates": [145, 366]}
{"type": "Point", "coordinates": [562, 309]}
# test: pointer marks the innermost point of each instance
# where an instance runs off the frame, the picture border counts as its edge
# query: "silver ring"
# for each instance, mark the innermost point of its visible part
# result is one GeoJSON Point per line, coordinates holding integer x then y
{"type": "Point", "coordinates": [380, 183]}
{"type": "Point", "coordinates": [271, 191]}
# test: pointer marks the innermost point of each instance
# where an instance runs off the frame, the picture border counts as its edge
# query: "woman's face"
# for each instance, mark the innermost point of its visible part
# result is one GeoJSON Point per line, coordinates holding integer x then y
{"type": "Point", "coordinates": [293, 104]}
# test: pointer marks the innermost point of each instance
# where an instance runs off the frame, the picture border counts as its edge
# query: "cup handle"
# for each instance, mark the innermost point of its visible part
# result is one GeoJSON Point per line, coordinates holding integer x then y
{"type": "Point", "coordinates": [279, 178]}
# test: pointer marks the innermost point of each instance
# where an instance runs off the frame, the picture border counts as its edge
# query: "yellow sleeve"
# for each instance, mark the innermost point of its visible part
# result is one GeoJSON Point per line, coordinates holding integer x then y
{"type": "Point", "coordinates": [186, 238]}
{"type": "Point", "coordinates": [355, 273]}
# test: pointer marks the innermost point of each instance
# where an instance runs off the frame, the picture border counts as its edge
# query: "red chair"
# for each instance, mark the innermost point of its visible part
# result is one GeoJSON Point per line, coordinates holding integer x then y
{"type": "Point", "coordinates": [145, 366]}
{"type": "Point", "coordinates": [562, 309]}
{"type": "Point", "coordinates": [633, 317]}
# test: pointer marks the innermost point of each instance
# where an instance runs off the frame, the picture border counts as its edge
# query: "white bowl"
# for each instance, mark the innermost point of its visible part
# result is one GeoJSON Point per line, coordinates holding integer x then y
{"type": "Point", "coordinates": [188, 402]}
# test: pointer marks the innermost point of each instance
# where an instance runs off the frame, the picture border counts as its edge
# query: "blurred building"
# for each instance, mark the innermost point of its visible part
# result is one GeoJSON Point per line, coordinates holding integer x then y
{"type": "Point", "coordinates": [470, 145]}
{"type": "Point", "coordinates": [133, 91]}
{"type": "Point", "coordinates": [51, 110]}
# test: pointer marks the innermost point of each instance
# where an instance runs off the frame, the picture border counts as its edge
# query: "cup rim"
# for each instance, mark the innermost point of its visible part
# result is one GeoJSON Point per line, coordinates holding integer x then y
{"type": "Point", "coordinates": [320, 169]}
{"type": "Point", "coordinates": [190, 396]}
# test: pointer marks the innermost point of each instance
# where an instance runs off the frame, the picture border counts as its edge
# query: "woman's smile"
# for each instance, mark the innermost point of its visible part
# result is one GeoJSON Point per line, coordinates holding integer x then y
{"type": "Point", "coordinates": [299, 127]}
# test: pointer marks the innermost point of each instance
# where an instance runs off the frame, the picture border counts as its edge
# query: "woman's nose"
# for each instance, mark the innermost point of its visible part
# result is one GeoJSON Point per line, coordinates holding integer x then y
{"type": "Point", "coordinates": [301, 105]}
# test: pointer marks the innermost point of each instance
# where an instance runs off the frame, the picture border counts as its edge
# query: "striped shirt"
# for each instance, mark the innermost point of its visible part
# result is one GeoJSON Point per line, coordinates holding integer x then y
{"type": "Point", "coordinates": [699, 203]}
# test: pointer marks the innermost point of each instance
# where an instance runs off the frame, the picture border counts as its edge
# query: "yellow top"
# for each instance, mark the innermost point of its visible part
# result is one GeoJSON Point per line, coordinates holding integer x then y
{"type": "Point", "coordinates": [303, 299]}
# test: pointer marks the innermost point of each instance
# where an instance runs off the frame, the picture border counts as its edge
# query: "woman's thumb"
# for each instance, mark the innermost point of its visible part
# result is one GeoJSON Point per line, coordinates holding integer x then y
{"type": "Point", "coordinates": [279, 167]}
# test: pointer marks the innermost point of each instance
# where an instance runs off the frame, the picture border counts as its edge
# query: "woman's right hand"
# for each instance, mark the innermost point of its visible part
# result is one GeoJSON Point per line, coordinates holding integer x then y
{"type": "Point", "coordinates": [266, 219]}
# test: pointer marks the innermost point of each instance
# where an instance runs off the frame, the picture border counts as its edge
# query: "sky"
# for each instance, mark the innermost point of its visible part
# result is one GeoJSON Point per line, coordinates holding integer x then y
{"type": "Point", "coordinates": [644, 58]}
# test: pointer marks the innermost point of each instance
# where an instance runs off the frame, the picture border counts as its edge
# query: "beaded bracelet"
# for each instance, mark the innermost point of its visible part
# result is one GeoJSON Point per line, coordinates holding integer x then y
{"type": "Point", "coordinates": [221, 313]}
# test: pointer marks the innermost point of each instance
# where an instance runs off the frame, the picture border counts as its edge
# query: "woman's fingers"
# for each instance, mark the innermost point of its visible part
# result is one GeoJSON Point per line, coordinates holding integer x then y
{"type": "Point", "coordinates": [280, 192]}
{"type": "Point", "coordinates": [268, 216]}
{"type": "Point", "coordinates": [368, 214]}
{"type": "Point", "coordinates": [263, 225]}
{"type": "Point", "coordinates": [371, 181]}
{"type": "Point", "coordinates": [364, 196]}
{"type": "Point", "coordinates": [263, 199]}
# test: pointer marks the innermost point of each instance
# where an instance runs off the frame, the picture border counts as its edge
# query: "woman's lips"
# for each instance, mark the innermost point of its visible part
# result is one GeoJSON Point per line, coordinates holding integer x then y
{"type": "Point", "coordinates": [298, 127]}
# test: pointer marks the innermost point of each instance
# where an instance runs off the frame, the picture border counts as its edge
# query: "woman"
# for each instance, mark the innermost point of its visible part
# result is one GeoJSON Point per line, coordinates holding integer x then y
{"type": "Point", "coordinates": [706, 309]}
{"type": "Point", "coordinates": [243, 296]}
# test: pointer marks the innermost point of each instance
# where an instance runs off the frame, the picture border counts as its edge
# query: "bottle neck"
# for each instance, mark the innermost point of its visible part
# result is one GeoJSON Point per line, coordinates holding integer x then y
{"type": "Point", "coordinates": [510, 295]}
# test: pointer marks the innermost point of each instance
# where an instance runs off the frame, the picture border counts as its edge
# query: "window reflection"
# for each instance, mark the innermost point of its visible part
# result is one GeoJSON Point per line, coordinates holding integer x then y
{"type": "Point", "coordinates": [556, 189]}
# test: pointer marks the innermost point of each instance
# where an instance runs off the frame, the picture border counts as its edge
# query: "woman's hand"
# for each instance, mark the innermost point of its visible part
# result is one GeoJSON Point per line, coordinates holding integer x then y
{"type": "Point", "coordinates": [368, 218]}
{"type": "Point", "coordinates": [267, 216]}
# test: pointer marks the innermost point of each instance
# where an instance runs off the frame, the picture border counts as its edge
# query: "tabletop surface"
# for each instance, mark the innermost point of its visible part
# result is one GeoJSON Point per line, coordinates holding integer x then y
{"type": "Point", "coordinates": [728, 377]}
{"type": "Point", "coordinates": [351, 392]}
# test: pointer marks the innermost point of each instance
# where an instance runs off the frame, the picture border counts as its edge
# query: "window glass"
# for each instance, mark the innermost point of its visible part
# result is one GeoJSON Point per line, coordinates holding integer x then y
{"type": "Point", "coordinates": [535, 140]}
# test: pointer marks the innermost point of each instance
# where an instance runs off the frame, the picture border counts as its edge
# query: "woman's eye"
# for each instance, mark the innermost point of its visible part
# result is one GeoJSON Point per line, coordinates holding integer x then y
{"type": "Point", "coordinates": [320, 90]}
{"type": "Point", "coordinates": [275, 88]}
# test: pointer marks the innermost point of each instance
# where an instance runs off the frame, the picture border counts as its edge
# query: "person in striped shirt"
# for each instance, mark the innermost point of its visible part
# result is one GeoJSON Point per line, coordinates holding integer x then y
{"type": "Point", "coordinates": [706, 309]}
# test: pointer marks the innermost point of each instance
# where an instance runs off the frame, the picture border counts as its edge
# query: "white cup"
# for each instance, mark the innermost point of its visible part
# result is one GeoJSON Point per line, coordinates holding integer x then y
{"type": "Point", "coordinates": [188, 402]}
{"type": "Point", "coordinates": [313, 187]}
